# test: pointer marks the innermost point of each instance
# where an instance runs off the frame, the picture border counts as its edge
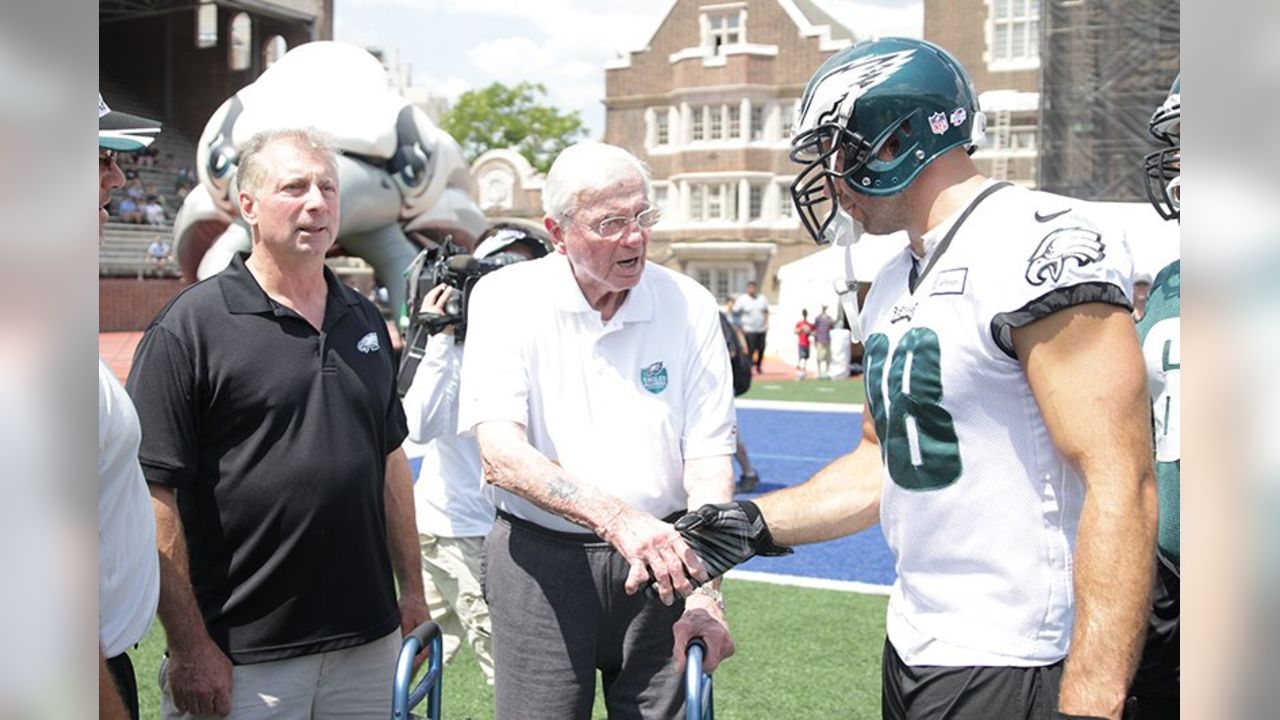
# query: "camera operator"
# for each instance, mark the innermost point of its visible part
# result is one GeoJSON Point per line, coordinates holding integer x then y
{"type": "Point", "coordinates": [453, 516]}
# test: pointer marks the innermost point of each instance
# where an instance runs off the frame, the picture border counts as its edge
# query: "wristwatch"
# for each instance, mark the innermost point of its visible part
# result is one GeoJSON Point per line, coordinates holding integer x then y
{"type": "Point", "coordinates": [710, 591]}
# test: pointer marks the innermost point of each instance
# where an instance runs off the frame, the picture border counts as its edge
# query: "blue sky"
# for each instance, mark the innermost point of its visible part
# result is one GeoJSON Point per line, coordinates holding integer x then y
{"type": "Point", "coordinates": [456, 45]}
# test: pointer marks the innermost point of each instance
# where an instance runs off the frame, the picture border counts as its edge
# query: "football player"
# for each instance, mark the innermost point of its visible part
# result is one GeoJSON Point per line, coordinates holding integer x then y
{"type": "Point", "coordinates": [1000, 451]}
{"type": "Point", "coordinates": [1156, 686]}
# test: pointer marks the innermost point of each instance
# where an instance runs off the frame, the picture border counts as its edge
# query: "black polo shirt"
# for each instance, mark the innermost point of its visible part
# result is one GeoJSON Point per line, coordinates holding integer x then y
{"type": "Point", "coordinates": [275, 438]}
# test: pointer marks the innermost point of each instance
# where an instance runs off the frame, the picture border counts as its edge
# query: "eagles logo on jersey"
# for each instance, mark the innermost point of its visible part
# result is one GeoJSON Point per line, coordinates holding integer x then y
{"type": "Point", "coordinates": [1081, 245]}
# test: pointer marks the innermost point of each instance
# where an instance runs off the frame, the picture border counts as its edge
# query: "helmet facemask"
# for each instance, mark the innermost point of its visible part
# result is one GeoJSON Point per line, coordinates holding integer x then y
{"type": "Point", "coordinates": [833, 154]}
{"type": "Point", "coordinates": [1163, 167]}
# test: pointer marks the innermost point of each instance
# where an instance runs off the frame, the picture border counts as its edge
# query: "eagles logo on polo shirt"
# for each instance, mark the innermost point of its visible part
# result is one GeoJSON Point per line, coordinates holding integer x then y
{"type": "Point", "coordinates": [654, 378]}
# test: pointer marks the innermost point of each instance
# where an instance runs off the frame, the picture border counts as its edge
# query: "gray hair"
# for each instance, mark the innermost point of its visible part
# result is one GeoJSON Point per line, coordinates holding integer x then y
{"type": "Point", "coordinates": [585, 169]}
{"type": "Point", "coordinates": [251, 172]}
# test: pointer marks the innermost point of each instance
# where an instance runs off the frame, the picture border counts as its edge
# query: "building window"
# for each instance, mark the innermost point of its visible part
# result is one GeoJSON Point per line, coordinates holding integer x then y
{"type": "Point", "coordinates": [717, 125]}
{"type": "Point", "coordinates": [275, 49]}
{"type": "Point", "coordinates": [662, 123]}
{"type": "Point", "coordinates": [662, 199]}
{"type": "Point", "coordinates": [786, 209]}
{"type": "Point", "coordinates": [724, 281]}
{"type": "Point", "coordinates": [207, 25]}
{"type": "Point", "coordinates": [699, 126]}
{"type": "Point", "coordinates": [757, 122]}
{"type": "Point", "coordinates": [755, 202]}
{"type": "Point", "coordinates": [786, 113]}
{"type": "Point", "coordinates": [1015, 32]}
{"type": "Point", "coordinates": [713, 201]}
{"type": "Point", "coordinates": [240, 50]}
{"type": "Point", "coordinates": [1022, 138]}
{"type": "Point", "coordinates": [734, 124]}
{"type": "Point", "coordinates": [723, 28]}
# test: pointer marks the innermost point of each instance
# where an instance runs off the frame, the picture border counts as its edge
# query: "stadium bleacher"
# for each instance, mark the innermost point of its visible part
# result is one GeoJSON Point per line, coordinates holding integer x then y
{"type": "Point", "coordinates": [123, 252]}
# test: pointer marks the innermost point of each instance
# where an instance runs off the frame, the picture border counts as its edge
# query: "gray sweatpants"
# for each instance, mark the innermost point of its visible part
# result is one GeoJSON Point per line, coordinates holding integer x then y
{"type": "Point", "coordinates": [559, 614]}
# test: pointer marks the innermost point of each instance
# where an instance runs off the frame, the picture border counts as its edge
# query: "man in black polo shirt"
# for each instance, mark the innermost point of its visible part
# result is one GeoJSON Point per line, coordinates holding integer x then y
{"type": "Point", "coordinates": [271, 436]}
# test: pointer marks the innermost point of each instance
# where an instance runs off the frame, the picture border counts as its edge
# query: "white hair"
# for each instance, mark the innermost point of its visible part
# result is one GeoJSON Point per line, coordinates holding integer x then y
{"type": "Point", "coordinates": [585, 169]}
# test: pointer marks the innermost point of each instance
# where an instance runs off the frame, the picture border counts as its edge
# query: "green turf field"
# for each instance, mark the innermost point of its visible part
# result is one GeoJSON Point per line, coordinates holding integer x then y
{"type": "Point", "coordinates": [801, 653]}
{"type": "Point", "coordinates": [833, 391]}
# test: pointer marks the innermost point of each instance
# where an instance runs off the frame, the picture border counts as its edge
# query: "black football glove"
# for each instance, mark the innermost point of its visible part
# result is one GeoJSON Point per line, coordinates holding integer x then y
{"type": "Point", "coordinates": [727, 535]}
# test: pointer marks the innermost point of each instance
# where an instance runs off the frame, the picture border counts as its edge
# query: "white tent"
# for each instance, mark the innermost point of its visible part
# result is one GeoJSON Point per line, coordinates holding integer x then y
{"type": "Point", "coordinates": [808, 283]}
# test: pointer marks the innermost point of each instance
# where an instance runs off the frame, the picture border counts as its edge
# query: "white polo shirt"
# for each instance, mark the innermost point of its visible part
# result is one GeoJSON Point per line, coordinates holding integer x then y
{"type": "Point", "coordinates": [620, 404]}
{"type": "Point", "coordinates": [128, 566]}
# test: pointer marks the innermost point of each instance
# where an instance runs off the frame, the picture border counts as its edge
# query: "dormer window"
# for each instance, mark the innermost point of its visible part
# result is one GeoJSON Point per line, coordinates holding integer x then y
{"type": "Point", "coordinates": [723, 25]}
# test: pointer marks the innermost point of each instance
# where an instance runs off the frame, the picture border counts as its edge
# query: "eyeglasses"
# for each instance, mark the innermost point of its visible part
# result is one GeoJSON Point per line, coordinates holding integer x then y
{"type": "Point", "coordinates": [106, 157]}
{"type": "Point", "coordinates": [612, 228]}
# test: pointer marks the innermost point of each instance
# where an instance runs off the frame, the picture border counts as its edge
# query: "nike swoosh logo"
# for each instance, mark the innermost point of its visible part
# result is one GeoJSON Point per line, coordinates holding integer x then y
{"type": "Point", "coordinates": [1050, 216]}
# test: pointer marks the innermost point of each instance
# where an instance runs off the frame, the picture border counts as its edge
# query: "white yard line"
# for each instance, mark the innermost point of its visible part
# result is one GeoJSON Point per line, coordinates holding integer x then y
{"type": "Point", "coordinates": [808, 582]}
{"type": "Point", "coordinates": [799, 406]}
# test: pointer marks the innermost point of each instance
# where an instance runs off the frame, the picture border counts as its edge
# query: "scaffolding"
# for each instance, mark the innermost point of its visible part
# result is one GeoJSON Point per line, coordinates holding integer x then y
{"type": "Point", "coordinates": [1106, 65]}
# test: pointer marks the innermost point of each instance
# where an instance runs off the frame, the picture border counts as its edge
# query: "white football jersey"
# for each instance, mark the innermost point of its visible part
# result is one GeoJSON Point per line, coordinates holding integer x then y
{"type": "Point", "coordinates": [979, 507]}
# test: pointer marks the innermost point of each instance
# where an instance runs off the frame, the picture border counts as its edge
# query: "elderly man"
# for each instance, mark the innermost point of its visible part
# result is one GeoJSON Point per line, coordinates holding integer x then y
{"type": "Point", "coordinates": [271, 439]}
{"type": "Point", "coordinates": [599, 391]}
{"type": "Point", "coordinates": [128, 568]}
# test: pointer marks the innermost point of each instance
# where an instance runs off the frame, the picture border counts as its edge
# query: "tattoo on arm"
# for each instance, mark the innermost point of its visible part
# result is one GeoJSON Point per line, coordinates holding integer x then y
{"type": "Point", "coordinates": [561, 489]}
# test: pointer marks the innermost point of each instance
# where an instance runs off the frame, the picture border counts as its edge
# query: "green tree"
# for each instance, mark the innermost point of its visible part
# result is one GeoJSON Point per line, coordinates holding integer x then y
{"type": "Point", "coordinates": [512, 117]}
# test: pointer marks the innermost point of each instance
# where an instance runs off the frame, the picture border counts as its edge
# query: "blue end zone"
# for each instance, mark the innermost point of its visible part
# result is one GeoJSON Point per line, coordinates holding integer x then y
{"type": "Point", "coordinates": [787, 447]}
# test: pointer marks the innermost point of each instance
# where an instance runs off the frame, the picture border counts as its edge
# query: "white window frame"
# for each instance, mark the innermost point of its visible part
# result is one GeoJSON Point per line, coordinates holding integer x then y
{"type": "Point", "coordinates": [714, 26]}
{"type": "Point", "coordinates": [1008, 20]}
{"type": "Point", "coordinates": [756, 123]}
{"type": "Point", "coordinates": [713, 201]}
{"type": "Point", "coordinates": [755, 201]}
{"type": "Point", "coordinates": [726, 279]}
{"type": "Point", "coordinates": [661, 126]}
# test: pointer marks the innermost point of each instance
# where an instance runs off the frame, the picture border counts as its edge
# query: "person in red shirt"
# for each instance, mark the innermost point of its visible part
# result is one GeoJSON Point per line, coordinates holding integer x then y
{"type": "Point", "coordinates": [804, 333]}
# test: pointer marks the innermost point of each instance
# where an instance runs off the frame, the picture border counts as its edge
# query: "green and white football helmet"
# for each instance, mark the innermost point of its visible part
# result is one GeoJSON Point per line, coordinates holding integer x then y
{"type": "Point", "coordinates": [1164, 166]}
{"type": "Point", "coordinates": [872, 117]}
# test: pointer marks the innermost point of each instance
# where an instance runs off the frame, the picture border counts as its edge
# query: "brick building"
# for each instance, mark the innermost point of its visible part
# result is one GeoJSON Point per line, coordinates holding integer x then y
{"type": "Point", "coordinates": [998, 42]}
{"type": "Point", "coordinates": [1067, 86]}
{"type": "Point", "coordinates": [708, 104]}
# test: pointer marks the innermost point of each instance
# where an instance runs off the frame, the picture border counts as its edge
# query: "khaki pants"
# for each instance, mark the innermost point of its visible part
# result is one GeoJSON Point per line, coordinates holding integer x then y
{"type": "Point", "coordinates": [349, 684]}
{"type": "Point", "coordinates": [451, 576]}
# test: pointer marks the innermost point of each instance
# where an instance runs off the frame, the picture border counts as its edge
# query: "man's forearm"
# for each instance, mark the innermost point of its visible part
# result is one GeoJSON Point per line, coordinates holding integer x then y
{"type": "Point", "coordinates": [178, 611]}
{"type": "Point", "coordinates": [402, 526]}
{"type": "Point", "coordinates": [708, 480]}
{"type": "Point", "coordinates": [1115, 549]}
{"type": "Point", "coordinates": [841, 499]}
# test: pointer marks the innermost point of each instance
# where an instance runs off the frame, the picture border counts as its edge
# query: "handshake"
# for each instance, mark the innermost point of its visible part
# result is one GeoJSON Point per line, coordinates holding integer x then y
{"type": "Point", "coordinates": [726, 535]}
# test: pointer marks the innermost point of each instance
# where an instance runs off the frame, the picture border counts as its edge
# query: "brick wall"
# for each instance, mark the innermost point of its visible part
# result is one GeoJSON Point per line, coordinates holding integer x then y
{"type": "Point", "coordinates": [126, 304]}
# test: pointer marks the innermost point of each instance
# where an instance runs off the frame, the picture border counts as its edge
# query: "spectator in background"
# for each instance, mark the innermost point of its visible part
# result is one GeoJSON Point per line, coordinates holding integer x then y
{"type": "Point", "coordinates": [153, 211]}
{"type": "Point", "coordinates": [185, 179]}
{"type": "Point", "coordinates": [128, 566]}
{"type": "Point", "coordinates": [804, 334]}
{"type": "Point", "coordinates": [128, 211]}
{"type": "Point", "coordinates": [277, 557]}
{"type": "Point", "coordinates": [752, 310]}
{"type": "Point", "coordinates": [732, 315]}
{"type": "Point", "coordinates": [157, 254]}
{"type": "Point", "coordinates": [135, 191]}
{"type": "Point", "coordinates": [740, 364]}
{"type": "Point", "coordinates": [453, 513]}
{"type": "Point", "coordinates": [822, 338]}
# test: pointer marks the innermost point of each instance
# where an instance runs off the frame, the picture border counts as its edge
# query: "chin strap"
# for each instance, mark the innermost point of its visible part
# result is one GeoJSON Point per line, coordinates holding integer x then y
{"type": "Point", "coordinates": [846, 288]}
